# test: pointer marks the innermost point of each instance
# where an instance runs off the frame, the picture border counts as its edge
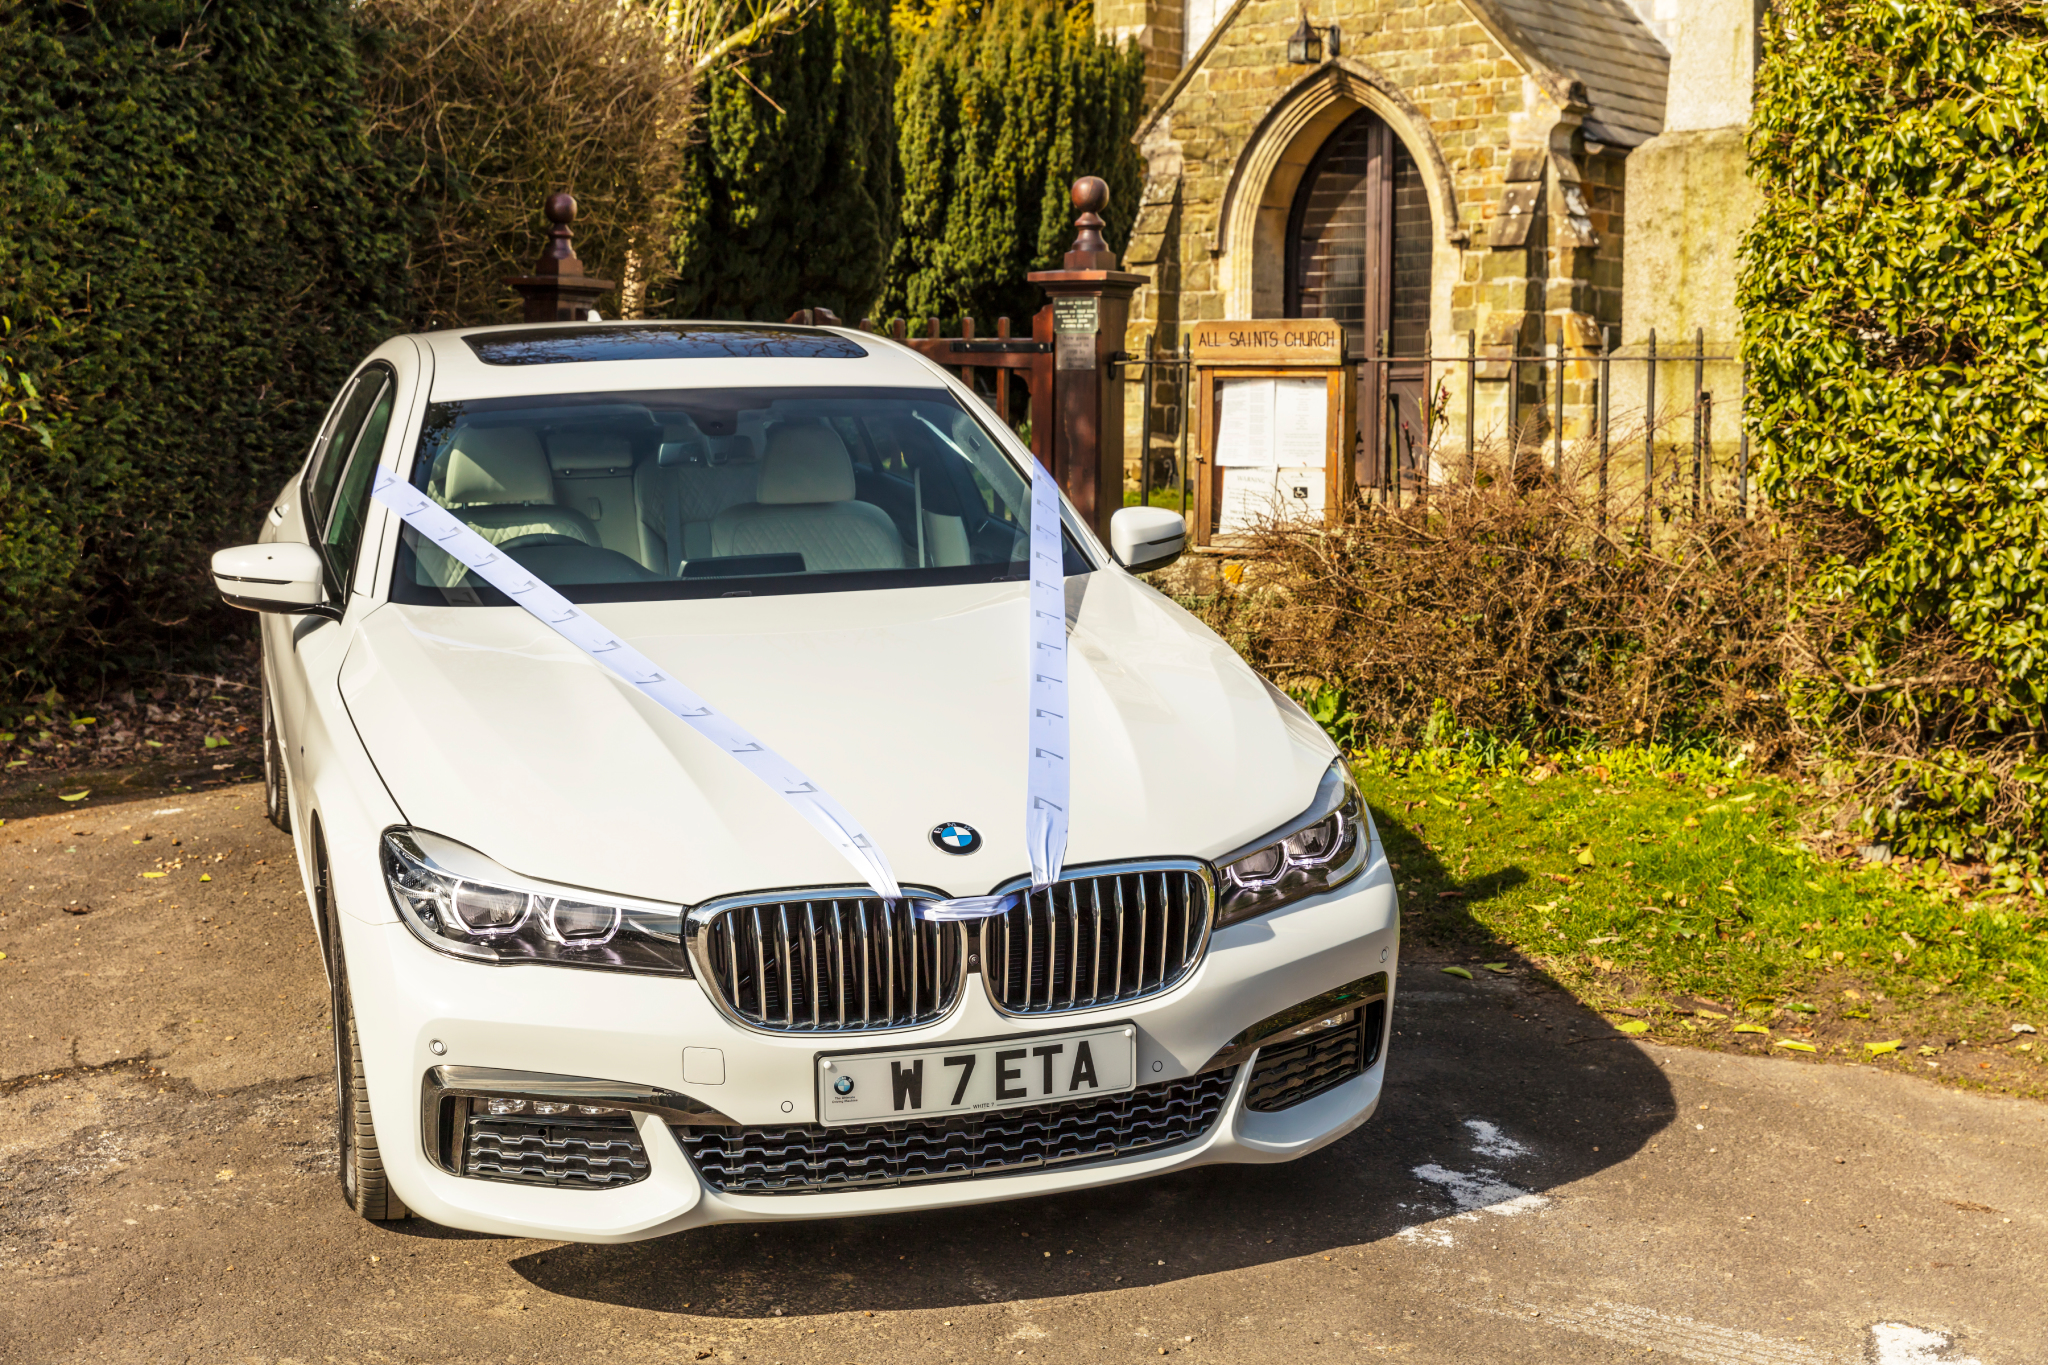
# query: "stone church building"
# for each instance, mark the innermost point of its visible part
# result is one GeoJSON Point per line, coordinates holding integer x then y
{"type": "Point", "coordinates": [1503, 174]}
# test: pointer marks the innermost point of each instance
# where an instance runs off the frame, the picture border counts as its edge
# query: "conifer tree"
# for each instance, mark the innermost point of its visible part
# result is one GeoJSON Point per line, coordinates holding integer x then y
{"type": "Point", "coordinates": [1000, 106]}
{"type": "Point", "coordinates": [789, 196]}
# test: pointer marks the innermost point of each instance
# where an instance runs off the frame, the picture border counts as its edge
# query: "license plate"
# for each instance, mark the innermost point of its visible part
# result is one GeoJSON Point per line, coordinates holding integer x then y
{"type": "Point", "coordinates": [967, 1078]}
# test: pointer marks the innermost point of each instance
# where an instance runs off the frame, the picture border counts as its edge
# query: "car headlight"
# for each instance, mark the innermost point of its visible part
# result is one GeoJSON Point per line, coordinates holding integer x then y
{"type": "Point", "coordinates": [1324, 847]}
{"type": "Point", "coordinates": [458, 902]}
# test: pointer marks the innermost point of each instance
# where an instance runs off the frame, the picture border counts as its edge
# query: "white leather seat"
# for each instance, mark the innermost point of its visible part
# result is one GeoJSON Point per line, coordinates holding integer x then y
{"type": "Point", "coordinates": [498, 480]}
{"type": "Point", "coordinates": [804, 504]}
{"type": "Point", "coordinates": [692, 495]}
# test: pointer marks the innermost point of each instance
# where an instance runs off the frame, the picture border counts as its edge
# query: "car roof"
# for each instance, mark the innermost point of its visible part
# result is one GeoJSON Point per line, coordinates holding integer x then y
{"type": "Point", "coordinates": [599, 357]}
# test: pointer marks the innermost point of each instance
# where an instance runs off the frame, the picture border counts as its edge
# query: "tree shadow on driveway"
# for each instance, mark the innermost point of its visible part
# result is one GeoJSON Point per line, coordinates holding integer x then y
{"type": "Point", "coordinates": [1497, 1089]}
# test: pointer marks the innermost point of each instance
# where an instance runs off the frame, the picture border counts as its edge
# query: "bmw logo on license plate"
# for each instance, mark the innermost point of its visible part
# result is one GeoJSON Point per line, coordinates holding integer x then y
{"type": "Point", "coordinates": [843, 1086]}
{"type": "Point", "coordinates": [954, 837]}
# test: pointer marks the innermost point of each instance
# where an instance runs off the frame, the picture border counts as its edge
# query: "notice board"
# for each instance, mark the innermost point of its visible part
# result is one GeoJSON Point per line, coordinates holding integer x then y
{"type": "Point", "coordinates": [1275, 406]}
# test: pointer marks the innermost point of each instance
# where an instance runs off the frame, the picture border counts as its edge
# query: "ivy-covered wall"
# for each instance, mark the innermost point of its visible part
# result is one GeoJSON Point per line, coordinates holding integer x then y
{"type": "Point", "coordinates": [1000, 107]}
{"type": "Point", "coordinates": [1895, 302]}
{"type": "Point", "coordinates": [196, 247]}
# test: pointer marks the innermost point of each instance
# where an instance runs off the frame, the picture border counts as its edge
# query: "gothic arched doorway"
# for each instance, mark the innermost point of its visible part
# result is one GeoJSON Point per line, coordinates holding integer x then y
{"type": "Point", "coordinates": [1358, 252]}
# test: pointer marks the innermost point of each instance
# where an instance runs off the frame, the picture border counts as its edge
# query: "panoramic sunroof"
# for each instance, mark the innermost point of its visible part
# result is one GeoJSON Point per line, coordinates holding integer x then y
{"type": "Point", "coordinates": [660, 341]}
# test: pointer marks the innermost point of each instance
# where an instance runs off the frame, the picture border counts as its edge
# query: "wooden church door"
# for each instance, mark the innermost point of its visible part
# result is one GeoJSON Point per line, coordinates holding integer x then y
{"type": "Point", "coordinates": [1358, 252]}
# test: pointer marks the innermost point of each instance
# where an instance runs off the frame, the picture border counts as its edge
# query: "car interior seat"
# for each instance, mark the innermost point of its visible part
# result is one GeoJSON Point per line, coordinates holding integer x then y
{"type": "Point", "coordinates": [681, 492]}
{"type": "Point", "coordinates": [804, 504]}
{"type": "Point", "coordinates": [498, 481]}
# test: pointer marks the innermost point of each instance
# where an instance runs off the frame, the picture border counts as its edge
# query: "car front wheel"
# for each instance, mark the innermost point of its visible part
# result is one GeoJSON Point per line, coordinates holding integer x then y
{"type": "Point", "coordinates": [363, 1185]}
{"type": "Point", "coordinates": [277, 789]}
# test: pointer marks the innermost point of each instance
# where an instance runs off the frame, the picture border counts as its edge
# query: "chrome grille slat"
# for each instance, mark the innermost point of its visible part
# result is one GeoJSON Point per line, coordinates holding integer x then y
{"type": "Point", "coordinates": [1095, 963]}
{"type": "Point", "coordinates": [1165, 920]}
{"type": "Point", "coordinates": [888, 959]}
{"type": "Point", "coordinates": [1148, 922]}
{"type": "Point", "coordinates": [760, 965]}
{"type": "Point", "coordinates": [1116, 983]}
{"type": "Point", "coordinates": [829, 964]}
{"type": "Point", "coordinates": [1030, 958]}
{"type": "Point", "coordinates": [839, 959]}
{"type": "Point", "coordinates": [811, 951]}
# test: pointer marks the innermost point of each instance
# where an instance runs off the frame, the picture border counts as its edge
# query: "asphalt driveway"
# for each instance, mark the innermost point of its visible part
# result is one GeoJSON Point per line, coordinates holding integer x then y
{"type": "Point", "coordinates": [1535, 1188]}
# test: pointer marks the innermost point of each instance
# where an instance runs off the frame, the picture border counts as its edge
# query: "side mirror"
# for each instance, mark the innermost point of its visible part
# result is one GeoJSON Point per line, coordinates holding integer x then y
{"type": "Point", "coordinates": [285, 575]}
{"type": "Point", "coordinates": [1147, 538]}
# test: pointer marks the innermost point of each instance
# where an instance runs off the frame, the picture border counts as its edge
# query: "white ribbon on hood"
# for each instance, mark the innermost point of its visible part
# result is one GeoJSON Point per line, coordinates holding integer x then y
{"type": "Point", "coordinates": [1046, 788]}
{"type": "Point", "coordinates": [1045, 819]}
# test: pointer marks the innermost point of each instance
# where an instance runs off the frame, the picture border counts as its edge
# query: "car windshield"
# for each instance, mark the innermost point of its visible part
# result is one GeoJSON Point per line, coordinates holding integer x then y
{"type": "Point", "coordinates": [719, 493]}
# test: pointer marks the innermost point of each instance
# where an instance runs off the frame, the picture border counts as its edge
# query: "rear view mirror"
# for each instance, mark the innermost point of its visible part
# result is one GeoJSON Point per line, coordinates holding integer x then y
{"type": "Point", "coordinates": [285, 575]}
{"type": "Point", "coordinates": [1147, 538]}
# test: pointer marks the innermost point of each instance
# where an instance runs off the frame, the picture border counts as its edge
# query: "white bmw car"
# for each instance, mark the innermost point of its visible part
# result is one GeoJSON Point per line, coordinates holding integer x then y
{"type": "Point", "coordinates": [595, 979]}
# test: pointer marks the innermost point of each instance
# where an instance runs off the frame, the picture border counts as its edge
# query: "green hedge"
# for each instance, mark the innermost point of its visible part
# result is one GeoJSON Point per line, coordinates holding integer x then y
{"type": "Point", "coordinates": [1895, 298]}
{"type": "Point", "coordinates": [1000, 107]}
{"type": "Point", "coordinates": [197, 246]}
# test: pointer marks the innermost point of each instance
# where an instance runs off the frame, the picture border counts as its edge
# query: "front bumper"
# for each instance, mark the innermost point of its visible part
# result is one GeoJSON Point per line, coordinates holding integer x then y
{"type": "Point", "coordinates": [634, 1029]}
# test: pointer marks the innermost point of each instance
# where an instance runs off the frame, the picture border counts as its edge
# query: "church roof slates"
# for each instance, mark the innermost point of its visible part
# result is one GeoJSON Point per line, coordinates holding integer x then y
{"type": "Point", "coordinates": [1604, 44]}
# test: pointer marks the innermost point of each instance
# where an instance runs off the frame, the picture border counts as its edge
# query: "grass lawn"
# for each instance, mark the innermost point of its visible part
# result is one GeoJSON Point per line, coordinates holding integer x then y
{"type": "Point", "coordinates": [1682, 905]}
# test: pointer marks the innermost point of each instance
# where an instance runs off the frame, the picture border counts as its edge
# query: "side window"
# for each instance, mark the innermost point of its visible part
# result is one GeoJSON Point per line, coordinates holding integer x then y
{"type": "Point", "coordinates": [342, 534]}
{"type": "Point", "coordinates": [336, 442]}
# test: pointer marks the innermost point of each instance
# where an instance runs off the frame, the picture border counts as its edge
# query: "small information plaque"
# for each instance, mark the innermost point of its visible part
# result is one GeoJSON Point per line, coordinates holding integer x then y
{"type": "Point", "coordinates": [1076, 317]}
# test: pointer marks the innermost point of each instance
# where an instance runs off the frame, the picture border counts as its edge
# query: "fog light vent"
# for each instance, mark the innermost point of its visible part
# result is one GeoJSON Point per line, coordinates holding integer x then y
{"type": "Point", "coordinates": [1297, 1071]}
{"type": "Point", "coordinates": [577, 1150]}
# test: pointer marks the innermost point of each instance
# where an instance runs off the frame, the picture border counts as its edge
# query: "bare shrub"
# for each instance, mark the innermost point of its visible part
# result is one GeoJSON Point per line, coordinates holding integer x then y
{"type": "Point", "coordinates": [1509, 608]}
{"type": "Point", "coordinates": [1512, 608]}
{"type": "Point", "coordinates": [498, 103]}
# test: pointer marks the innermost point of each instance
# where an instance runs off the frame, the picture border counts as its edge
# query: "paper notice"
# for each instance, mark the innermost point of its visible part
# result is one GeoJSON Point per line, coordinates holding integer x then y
{"type": "Point", "coordinates": [1250, 499]}
{"type": "Point", "coordinates": [1301, 430]}
{"type": "Point", "coordinates": [1256, 496]}
{"type": "Point", "coordinates": [1298, 492]}
{"type": "Point", "coordinates": [1244, 428]}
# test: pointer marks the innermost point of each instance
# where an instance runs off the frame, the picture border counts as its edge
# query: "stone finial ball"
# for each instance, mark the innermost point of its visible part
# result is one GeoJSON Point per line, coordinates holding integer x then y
{"type": "Point", "coordinates": [1091, 194]}
{"type": "Point", "coordinates": [561, 208]}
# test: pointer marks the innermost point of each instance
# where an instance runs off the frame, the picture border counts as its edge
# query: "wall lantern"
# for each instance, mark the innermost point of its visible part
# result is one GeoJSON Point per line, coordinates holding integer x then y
{"type": "Point", "coordinates": [1309, 43]}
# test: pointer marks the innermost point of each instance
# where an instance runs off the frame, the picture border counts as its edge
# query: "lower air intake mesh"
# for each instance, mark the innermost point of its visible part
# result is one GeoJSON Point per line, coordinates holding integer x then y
{"type": "Point", "coordinates": [809, 1159]}
{"type": "Point", "coordinates": [1294, 1073]}
{"type": "Point", "coordinates": [589, 1152]}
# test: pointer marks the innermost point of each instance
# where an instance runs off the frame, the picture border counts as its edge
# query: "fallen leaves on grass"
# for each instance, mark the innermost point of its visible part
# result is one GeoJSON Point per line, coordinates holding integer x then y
{"type": "Point", "coordinates": [1458, 971]}
{"type": "Point", "coordinates": [1503, 967]}
{"type": "Point", "coordinates": [74, 796]}
{"type": "Point", "coordinates": [1879, 1049]}
{"type": "Point", "coordinates": [1795, 1045]}
{"type": "Point", "coordinates": [1633, 1026]}
{"type": "Point", "coordinates": [1751, 1028]}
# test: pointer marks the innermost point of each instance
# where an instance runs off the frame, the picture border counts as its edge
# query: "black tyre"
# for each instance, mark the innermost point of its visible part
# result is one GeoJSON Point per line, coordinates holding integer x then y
{"type": "Point", "coordinates": [363, 1186]}
{"type": "Point", "coordinates": [277, 788]}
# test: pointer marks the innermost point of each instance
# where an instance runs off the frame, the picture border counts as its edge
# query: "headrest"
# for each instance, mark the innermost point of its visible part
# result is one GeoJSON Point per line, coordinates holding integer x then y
{"type": "Point", "coordinates": [497, 465]}
{"type": "Point", "coordinates": [590, 452]}
{"type": "Point", "coordinates": [805, 462]}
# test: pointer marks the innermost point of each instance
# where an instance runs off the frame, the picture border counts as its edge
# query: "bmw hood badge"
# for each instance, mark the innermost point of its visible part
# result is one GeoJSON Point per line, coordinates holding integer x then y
{"type": "Point", "coordinates": [954, 837]}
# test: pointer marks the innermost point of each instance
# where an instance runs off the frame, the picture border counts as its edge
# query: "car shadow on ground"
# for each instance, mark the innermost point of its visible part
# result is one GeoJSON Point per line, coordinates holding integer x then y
{"type": "Point", "coordinates": [1496, 1089]}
